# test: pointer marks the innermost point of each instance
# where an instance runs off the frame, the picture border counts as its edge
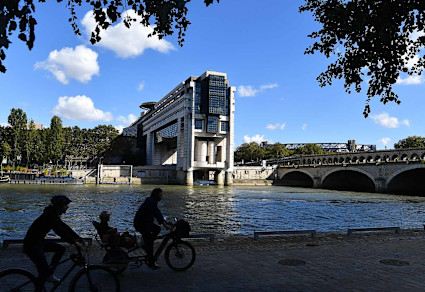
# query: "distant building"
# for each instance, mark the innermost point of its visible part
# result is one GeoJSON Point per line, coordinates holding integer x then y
{"type": "Point", "coordinates": [191, 128]}
{"type": "Point", "coordinates": [350, 146]}
{"type": "Point", "coordinates": [38, 126]}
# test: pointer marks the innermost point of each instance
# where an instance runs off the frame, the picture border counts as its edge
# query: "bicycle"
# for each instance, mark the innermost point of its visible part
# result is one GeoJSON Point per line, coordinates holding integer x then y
{"type": "Point", "coordinates": [89, 278]}
{"type": "Point", "coordinates": [179, 255]}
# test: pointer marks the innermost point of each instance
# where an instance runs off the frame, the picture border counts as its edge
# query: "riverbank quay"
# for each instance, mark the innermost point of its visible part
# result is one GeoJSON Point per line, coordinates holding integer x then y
{"type": "Point", "coordinates": [383, 261]}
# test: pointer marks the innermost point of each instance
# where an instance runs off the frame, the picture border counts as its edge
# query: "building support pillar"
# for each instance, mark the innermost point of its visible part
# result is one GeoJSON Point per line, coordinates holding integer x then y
{"type": "Point", "coordinates": [228, 181]}
{"type": "Point", "coordinates": [189, 178]}
{"type": "Point", "coordinates": [219, 177]}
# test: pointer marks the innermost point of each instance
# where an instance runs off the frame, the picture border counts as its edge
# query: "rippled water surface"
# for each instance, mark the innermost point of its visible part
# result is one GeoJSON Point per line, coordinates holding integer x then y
{"type": "Point", "coordinates": [221, 210]}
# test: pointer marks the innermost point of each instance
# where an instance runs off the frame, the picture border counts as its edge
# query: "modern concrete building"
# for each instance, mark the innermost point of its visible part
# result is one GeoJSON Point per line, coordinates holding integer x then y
{"type": "Point", "coordinates": [191, 128]}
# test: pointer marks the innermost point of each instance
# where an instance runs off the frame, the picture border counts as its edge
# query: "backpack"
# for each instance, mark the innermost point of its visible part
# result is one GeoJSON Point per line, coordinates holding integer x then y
{"type": "Point", "coordinates": [182, 228]}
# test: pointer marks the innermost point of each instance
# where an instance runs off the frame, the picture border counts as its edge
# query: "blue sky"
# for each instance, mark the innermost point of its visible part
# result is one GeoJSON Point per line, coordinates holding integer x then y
{"type": "Point", "coordinates": [260, 47]}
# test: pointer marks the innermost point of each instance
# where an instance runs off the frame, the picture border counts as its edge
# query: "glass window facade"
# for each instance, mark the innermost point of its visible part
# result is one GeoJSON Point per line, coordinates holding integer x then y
{"type": "Point", "coordinates": [168, 132]}
{"type": "Point", "coordinates": [198, 124]}
{"type": "Point", "coordinates": [198, 98]}
{"type": "Point", "coordinates": [212, 124]}
{"type": "Point", "coordinates": [217, 95]}
{"type": "Point", "coordinates": [224, 126]}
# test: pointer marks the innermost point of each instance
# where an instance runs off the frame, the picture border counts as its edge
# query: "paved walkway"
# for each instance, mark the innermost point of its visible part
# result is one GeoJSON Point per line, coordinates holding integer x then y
{"type": "Point", "coordinates": [333, 262]}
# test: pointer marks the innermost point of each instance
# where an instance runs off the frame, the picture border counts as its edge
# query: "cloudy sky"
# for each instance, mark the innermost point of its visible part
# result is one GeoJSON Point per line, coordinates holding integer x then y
{"type": "Point", "coordinates": [261, 48]}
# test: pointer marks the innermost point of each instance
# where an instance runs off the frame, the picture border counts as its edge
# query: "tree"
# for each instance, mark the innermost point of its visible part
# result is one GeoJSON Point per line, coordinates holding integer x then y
{"type": "Point", "coordinates": [410, 142]}
{"type": "Point", "coordinates": [56, 139]}
{"type": "Point", "coordinates": [5, 151]}
{"type": "Point", "coordinates": [369, 37]}
{"type": "Point", "coordinates": [18, 16]}
{"type": "Point", "coordinates": [249, 152]}
{"type": "Point", "coordinates": [18, 121]}
{"type": "Point", "coordinates": [276, 151]}
{"type": "Point", "coordinates": [30, 143]}
{"type": "Point", "coordinates": [310, 149]}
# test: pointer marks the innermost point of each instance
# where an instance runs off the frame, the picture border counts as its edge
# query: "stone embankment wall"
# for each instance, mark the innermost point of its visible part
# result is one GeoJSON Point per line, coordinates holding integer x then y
{"type": "Point", "coordinates": [253, 175]}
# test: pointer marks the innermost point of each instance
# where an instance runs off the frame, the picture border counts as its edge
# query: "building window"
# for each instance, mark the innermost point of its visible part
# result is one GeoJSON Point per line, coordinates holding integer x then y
{"type": "Point", "coordinates": [182, 125]}
{"type": "Point", "coordinates": [224, 126]}
{"type": "Point", "coordinates": [198, 124]}
{"type": "Point", "coordinates": [212, 124]}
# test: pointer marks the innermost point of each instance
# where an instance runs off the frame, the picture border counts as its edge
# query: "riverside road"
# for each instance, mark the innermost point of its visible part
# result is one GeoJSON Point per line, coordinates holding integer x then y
{"type": "Point", "coordinates": [331, 262]}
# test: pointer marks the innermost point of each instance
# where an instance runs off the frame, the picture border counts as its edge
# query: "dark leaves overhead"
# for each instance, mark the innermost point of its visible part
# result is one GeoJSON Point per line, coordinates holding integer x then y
{"type": "Point", "coordinates": [165, 16]}
{"type": "Point", "coordinates": [370, 38]}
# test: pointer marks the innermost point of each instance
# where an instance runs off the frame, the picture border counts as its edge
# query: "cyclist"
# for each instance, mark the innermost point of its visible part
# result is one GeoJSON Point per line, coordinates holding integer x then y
{"type": "Point", "coordinates": [35, 244]}
{"type": "Point", "coordinates": [144, 223]}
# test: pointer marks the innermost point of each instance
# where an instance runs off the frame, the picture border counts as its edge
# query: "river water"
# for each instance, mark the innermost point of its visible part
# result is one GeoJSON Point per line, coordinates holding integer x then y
{"type": "Point", "coordinates": [219, 210]}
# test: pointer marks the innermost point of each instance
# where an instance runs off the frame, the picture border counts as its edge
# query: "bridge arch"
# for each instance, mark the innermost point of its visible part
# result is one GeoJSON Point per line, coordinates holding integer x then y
{"type": "Point", "coordinates": [404, 157]}
{"type": "Point", "coordinates": [369, 159]}
{"type": "Point", "coordinates": [414, 157]}
{"type": "Point", "coordinates": [347, 159]}
{"type": "Point", "coordinates": [352, 179]}
{"type": "Point", "coordinates": [395, 158]}
{"type": "Point", "coordinates": [377, 159]}
{"type": "Point", "coordinates": [296, 178]}
{"type": "Point", "coordinates": [408, 181]}
{"type": "Point", "coordinates": [355, 160]}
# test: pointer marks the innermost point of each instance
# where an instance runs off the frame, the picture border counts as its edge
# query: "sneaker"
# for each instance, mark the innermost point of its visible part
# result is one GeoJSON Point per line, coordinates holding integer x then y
{"type": "Point", "coordinates": [53, 279]}
{"type": "Point", "coordinates": [154, 266]}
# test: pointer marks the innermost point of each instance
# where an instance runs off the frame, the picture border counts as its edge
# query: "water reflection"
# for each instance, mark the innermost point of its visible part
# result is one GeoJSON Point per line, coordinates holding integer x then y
{"type": "Point", "coordinates": [222, 210]}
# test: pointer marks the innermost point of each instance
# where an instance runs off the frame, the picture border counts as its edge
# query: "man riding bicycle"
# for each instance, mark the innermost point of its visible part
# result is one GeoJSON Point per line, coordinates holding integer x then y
{"type": "Point", "coordinates": [35, 244]}
{"type": "Point", "coordinates": [144, 223]}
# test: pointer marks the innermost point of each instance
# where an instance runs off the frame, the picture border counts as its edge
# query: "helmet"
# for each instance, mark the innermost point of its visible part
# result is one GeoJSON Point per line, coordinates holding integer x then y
{"type": "Point", "coordinates": [60, 200]}
{"type": "Point", "coordinates": [105, 215]}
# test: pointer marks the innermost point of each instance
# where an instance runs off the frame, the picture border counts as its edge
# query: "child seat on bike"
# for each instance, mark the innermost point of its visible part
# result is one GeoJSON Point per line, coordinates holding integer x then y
{"type": "Point", "coordinates": [112, 241]}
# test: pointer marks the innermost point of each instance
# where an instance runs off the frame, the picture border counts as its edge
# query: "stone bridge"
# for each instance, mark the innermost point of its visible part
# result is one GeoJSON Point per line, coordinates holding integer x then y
{"type": "Point", "coordinates": [399, 171]}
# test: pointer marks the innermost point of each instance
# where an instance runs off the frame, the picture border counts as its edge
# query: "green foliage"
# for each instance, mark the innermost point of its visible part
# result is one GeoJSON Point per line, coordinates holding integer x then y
{"type": "Point", "coordinates": [249, 152]}
{"type": "Point", "coordinates": [8, 168]}
{"type": "Point", "coordinates": [368, 34]}
{"type": "Point", "coordinates": [56, 139]}
{"type": "Point", "coordinates": [18, 122]}
{"type": "Point", "coordinates": [310, 149]}
{"type": "Point", "coordinates": [54, 144]}
{"type": "Point", "coordinates": [165, 16]}
{"type": "Point", "coordinates": [276, 151]}
{"type": "Point", "coordinates": [5, 150]}
{"type": "Point", "coordinates": [411, 142]}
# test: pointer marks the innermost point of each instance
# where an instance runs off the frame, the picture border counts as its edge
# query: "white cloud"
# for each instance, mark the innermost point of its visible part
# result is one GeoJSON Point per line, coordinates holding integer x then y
{"type": "Point", "coordinates": [269, 86]}
{"type": "Point", "coordinates": [4, 124]}
{"type": "Point", "coordinates": [68, 63]}
{"type": "Point", "coordinates": [120, 128]}
{"type": "Point", "coordinates": [410, 80]}
{"type": "Point", "coordinates": [416, 34]}
{"type": "Point", "coordinates": [127, 120]}
{"type": "Point", "coordinates": [385, 141]}
{"type": "Point", "coordinates": [257, 138]}
{"type": "Point", "coordinates": [276, 126]}
{"type": "Point", "coordinates": [141, 86]}
{"type": "Point", "coordinates": [127, 42]}
{"type": "Point", "coordinates": [303, 127]}
{"type": "Point", "coordinates": [249, 90]}
{"type": "Point", "coordinates": [80, 108]}
{"type": "Point", "coordinates": [386, 121]}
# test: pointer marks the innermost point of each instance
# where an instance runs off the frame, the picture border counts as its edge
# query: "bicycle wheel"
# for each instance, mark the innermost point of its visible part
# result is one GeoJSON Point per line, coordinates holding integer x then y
{"type": "Point", "coordinates": [17, 280]}
{"type": "Point", "coordinates": [180, 256]}
{"type": "Point", "coordinates": [95, 278]}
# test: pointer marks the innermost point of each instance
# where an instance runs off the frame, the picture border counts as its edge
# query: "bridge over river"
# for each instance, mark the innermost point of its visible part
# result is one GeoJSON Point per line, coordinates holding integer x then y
{"type": "Point", "coordinates": [399, 171]}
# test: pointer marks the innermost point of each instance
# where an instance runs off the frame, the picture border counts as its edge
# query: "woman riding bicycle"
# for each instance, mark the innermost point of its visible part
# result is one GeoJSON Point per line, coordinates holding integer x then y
{"type": "Point", "coordinates": [35, 243]}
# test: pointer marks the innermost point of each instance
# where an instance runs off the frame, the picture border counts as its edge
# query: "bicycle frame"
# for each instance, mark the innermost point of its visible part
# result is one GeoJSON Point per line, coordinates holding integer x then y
{"type": "Point", "coordinates": [158, 252]}
{"type": "Point", "coordinates": [78, 262]}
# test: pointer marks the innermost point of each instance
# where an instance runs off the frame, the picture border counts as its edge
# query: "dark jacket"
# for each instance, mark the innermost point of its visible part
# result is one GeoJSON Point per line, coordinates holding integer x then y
{"type": "Point", "coordinates": [145, 216]}
{"type": "Point", "coordinates": [47, 221]}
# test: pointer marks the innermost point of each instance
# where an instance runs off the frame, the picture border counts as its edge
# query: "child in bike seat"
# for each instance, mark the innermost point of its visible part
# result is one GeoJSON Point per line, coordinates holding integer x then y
{"type": "Point", "coordinates": [107, 234]}
{"type": "Point", "coordinates": [110, 235]}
